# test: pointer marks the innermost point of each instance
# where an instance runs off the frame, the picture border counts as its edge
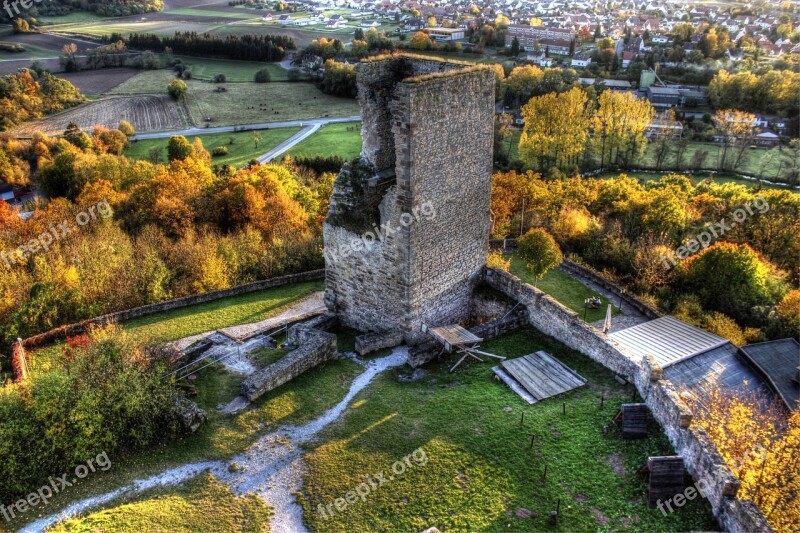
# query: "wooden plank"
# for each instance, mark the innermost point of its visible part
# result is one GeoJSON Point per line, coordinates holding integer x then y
{"type": "Point", "coordinates": [556, 372]}
{"type": "Point", "coordinates": [535, 378]}
{"type": "Point", "coordinates": [513, 384]}
{"type": "Point", "coordinates": [666, 478]}
{"type": "Point", "coordinates": [532, 383]}
{"type": "Point", "coordinates": [580, 379]}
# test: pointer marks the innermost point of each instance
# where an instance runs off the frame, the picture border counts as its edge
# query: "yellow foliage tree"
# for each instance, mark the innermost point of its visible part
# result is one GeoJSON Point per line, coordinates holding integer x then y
{"type": "Point", "coordinates": [420, 41]}
{"type": "Point", "coordinates": [556, 128]}
{"type": "Point", "coordinates": [619, 125]}
{"type": "Point", "coordinates": [761, 446]}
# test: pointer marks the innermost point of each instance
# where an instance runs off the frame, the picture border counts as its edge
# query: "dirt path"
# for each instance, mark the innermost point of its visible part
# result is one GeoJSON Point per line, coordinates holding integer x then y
{"type": "Point", "coordinates": [272, 468]}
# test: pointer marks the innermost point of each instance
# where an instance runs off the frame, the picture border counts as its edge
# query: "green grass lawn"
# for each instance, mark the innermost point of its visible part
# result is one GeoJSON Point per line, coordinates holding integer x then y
{"type": "Point", "coordinates": [234, 71]}
{"type": "Point", "coordinates": [481, 468]}
{"type": "Point", "coordinates": [251, 307]}
{"type": "Point", "coordinates": [567, 290]}
{"type": "Point", "coordinates": [202, 504]}
{"type": "Point", "coordinates": [76, 17]}
{"type": "Point", "coordinates": [343, 140]}
{"type": "Point", "coordinates": [210, 13]}
{"type": "Point", "coordinates": [241, 152]}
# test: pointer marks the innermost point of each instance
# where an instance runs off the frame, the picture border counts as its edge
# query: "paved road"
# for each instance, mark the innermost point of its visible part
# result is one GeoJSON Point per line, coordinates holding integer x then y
{"type": "Point", "coordinates": [248, 127]}
{"type": "Point", "coordinates": [289, 143]}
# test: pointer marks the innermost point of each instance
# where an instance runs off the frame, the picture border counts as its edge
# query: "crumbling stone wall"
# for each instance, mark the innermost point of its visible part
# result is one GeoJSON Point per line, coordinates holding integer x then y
{"type": "Point", "coordinates": [427, 153]}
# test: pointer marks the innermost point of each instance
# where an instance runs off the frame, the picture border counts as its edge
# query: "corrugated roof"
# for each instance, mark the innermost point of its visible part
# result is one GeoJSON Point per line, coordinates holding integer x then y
{"type": "Point", "coordinates": [721, 366]}
{"type": "Point", "coordinates": [778, 361]}
{"type": "Point", "coordinates": [667, 339]}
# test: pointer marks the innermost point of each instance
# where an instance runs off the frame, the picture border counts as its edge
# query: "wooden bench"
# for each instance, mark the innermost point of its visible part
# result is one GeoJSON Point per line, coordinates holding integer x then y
{"type": "Point", "coordinates": [632, 420]}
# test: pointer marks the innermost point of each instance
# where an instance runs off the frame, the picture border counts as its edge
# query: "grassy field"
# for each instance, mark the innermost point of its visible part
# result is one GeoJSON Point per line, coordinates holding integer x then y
{"type": "Point", "coordinates": [477, 470]}
{"type": "Point", "coordinates": [241, 152]}
{"type": "Point", "coordinates": [179, 323]}
{"type": "Point", "coordinates": [343, 140]}
{"type": "Point", "coordinates": [307, 397]}
{"type": "Point", "coordinates": [244, 103]}
{"type": "Point", "coordinates": [203, 504]}
{"type": "Point", "coordinates": [234, 71]}
{"type": "Point", "coordinates": [247, 103]}
{"type": "Point", "coordinates": [697, 178]}
{"type": "Point", "coordinates": [210, 13]}
{"type": "Point", "coordinates": [567, 290]}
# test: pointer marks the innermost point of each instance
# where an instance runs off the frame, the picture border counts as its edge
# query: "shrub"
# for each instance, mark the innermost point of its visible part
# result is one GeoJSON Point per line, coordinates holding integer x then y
{"type": "Point", "coordinates": [220, 78]}
{"type": "Point", "coordinates": [219, 151]}
{"type": "Point", "coordinates": [540, 252]}
{"type": "Point", "coordinates": [496, 260]}
{"type": "Point", "coordinates": [262, 76]}
{"type": "Point", "coordinates": [106, 395]}
{"type": "Point", "coordinates": [177, 88]}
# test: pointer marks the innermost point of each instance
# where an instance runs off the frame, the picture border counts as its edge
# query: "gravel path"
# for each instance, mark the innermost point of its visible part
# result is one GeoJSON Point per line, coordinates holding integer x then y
{"type": "Point", "coordinates": [272, 468]}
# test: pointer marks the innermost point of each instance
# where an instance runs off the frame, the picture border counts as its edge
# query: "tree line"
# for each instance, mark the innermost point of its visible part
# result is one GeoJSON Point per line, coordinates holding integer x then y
{"type": "Point", "coordinates": [178, 229]}
{"type": "Point", "coordinates": [742, 285]}
{"type": "Point", "coordinates": [251, 47]}
{"type": "Point", "coordinates": [27, 95]}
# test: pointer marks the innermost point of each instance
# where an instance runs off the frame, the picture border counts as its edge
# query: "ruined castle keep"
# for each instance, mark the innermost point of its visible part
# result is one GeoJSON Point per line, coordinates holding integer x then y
{"type": "Point", "coordinates": [406, 234]}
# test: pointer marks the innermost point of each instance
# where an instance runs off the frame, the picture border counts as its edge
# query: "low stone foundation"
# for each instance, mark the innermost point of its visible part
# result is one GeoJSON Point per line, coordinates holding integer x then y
{"type": "Point", "coordinates": [372, 342]}
{"type": "Point", "coordinates": [314, 346]}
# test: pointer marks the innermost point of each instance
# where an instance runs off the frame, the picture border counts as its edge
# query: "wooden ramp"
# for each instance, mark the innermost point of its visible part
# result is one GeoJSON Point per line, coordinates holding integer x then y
{"type": "Point", "coordinates": [542, 375]}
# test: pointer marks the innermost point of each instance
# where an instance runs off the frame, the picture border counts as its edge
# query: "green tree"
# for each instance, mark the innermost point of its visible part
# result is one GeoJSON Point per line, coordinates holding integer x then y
{"type": "Point", "coordinates": [515, 47]}
{"type": "Point", "coordinates": [178, 148]}
{"type": "Point", "coordinates": [540, 252]}
{"type": "Point", "coordinates": [262, 76]}
{"type": "Point", "coordinates": [727, 277]}
{"type": "Point", "coordinates": [177, 89]}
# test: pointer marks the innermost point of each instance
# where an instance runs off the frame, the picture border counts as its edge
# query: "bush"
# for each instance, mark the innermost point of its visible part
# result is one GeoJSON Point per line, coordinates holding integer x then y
{"type": "Point", "coordinates": [262, 76]}
{"type": "Point", "coordinates": [320, 163]}
{"type": "Point", "coordinates": [293, 74]}
{"type": "Point", "coordinates": [107, 395]}
{"type": "Point", "coordinates": [220, 78]}
{"type": "Point", "coordinates": [219, 151]}
{"type": "Point", "coordinates": [177, 88]}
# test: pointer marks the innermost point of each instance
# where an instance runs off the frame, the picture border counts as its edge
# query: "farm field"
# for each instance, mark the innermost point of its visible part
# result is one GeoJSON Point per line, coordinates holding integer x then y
{"type": "Point", "coordinates": [147, 82]}
{"type": "Point", "coordinates": [241, 152]}
{"type": "Point", "coordinates": [145, 113]}
{"type": "Point", "coordinates": [248, 103]}
{"type": "Point", "coordinates": [98, 81]}
{"type": "Point", "coordinates": [343, 140]}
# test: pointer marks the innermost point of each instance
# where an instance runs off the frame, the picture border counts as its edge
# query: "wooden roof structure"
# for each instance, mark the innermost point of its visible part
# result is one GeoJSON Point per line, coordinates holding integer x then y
{"type": "Point", "coordinates": [779, 362]}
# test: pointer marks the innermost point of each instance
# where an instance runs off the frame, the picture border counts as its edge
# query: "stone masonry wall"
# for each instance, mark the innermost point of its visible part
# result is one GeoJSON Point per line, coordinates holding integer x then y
{"type": "Point", "coordinates": [314, 346]}
{"type": "Point", "coordinates": [428, 126]}
{"type": "Point", "coordinates": [701, 457]}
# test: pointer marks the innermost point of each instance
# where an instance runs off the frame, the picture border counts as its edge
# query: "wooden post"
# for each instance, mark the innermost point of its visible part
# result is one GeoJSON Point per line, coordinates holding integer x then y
{"type": "Point", "coordinates": [533, 437]}
{"type": "Point", "coordinates": [602, 399]}
{"type": "Point", "coordinates": [522, 419]}
{"type": "Point", "coordinates": [544, 476]}
{"type": "Point", "coordinates": [558, 506]}
{"type": "Point", "coordinates": [564, 408]}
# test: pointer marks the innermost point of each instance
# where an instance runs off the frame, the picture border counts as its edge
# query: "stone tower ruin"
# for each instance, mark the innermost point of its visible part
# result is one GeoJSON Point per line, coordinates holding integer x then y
{"type": "Point", "coordinates": [407, 230]}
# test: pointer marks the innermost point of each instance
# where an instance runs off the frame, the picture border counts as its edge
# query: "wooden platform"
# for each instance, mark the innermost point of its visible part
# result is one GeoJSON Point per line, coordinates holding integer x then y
{"type": "Point", "coordinates": [542, 375]}
{"type": "Point", "coordinates": [453, 337]}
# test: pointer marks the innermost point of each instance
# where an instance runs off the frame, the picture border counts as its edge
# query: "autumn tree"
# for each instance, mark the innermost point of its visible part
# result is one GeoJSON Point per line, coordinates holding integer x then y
{"type": "Point", "coordinates": [619, 126]}
{"type": "Point", "coordinates": [736, 129]}
{"type": "Point", "coordinates": [539, 251]}
{"type": "Point", "coordinates": [177, 89]}
{"type": "Point", "coordinates": [420, 41]}
{"type": "Point", "coordinates": [556, 129]}
{"type": "Point", "coordinates": [178, 148]}
{"type": "Point", "coordinates": [760, 443]}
